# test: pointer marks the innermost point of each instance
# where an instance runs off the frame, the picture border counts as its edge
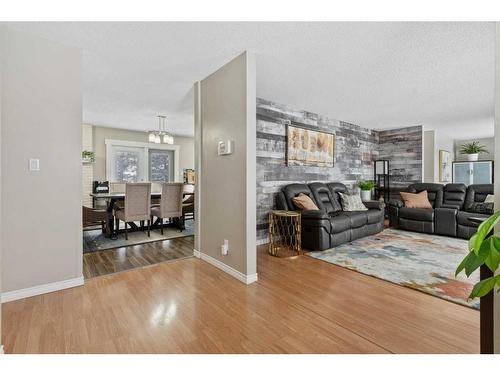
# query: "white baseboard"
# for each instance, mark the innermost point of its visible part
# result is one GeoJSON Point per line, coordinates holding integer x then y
{"type": "Point", "coordinates": [196, 253]}
{"type": "Point", "coordinates": [1, 349]}
{"type": "Point", "coordinates": [246, 279]}
{"type": "Point", "coordinates": [262, 241]}
{"type": "Point", "coordinates": [41, 289]}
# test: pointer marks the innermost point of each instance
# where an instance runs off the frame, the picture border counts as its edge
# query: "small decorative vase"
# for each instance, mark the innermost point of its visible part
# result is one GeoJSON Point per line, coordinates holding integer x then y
{"type": "Point", "coordinates": [366, 195]}
{"type": "Point", "coordinates": [472, 157]}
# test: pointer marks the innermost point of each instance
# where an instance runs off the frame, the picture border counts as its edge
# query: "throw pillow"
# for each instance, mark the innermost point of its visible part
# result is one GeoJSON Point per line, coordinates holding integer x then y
{"type": "Point", "coordinates": [303, 202]}
{"type": "Point", "coordinates": [485, 208]}
{"type": "Point", "coordinates": [419, 200]}
{"type": "Point", "coordinates": [490, 198]}
{"type": "Point", "coordinates": [352, 202]}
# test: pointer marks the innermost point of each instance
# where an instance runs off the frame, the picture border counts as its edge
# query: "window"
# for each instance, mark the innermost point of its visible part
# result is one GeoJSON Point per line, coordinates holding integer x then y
{"type": "Point", "coordinates": [137, 161]}
{"type": "Point", "coordinates": [161, 167]}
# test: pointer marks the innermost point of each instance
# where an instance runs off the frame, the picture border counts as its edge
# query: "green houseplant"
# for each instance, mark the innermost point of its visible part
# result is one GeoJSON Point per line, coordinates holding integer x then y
{"type": "Point", "coordinates": [88, 156]}
{"type": "Point", "coordinates": [483, 249]}
{"type": "Point", "coordinates": [366, 189]}
{"type": "Point", "coordinates": [472, 150]}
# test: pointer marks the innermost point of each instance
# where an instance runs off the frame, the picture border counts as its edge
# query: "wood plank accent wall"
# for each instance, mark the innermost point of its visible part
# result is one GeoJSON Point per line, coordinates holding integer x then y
{"type": "Point", "coordinates": [403, 148]}
{"type": "Point", "coordinates": [356, 148]}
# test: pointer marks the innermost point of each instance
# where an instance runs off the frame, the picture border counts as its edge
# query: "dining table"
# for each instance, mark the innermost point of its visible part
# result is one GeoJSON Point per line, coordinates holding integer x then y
{"type": "Point", "coordinates": [112, 198]}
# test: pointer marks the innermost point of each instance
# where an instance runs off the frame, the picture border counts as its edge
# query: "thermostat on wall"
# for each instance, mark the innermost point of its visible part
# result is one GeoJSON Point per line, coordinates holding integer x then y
{"type": "Point", "coordinates": [225, 147]}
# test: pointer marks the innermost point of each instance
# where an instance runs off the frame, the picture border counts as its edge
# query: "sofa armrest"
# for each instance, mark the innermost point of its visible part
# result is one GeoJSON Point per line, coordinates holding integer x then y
{"type": "Point", "coordinates": [314, 215]}
{"type": "Point", "coordinates": [396, 203]}
{"type": "Point", "coordinates": [377, 205]}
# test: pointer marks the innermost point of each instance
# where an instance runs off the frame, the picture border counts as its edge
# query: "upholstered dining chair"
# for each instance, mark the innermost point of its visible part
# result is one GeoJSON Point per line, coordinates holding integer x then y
{"type": "Point", "coordinates": [137, 205]}
{"type": "Point", "coordinates": [170, 202]}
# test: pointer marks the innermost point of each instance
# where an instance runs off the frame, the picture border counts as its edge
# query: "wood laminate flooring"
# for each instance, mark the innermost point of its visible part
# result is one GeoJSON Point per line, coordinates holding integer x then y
{"type": "Point", "coordinates": [105, 262]}
{"type": "Point", "coordinates": [299, 305]}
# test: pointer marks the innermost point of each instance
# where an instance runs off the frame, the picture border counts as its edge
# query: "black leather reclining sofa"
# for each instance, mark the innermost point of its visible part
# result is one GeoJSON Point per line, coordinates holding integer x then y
{"type": "Point", "coordinates": [452, 206]}
{"type": "Point", "coordinates": [330, 226]}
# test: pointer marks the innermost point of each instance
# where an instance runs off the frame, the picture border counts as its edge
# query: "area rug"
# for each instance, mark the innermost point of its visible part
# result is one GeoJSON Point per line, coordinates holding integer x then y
{"type": "Point", "coordinates": [94, 240]}
{"type": "Point", "coordinates": [415, 260]}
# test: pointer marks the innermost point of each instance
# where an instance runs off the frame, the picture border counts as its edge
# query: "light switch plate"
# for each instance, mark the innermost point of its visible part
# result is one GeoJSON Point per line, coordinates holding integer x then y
{"type": "Point", "coordinates": [225, 147]}
{"type": "Point", "coordinates": [34, 165]}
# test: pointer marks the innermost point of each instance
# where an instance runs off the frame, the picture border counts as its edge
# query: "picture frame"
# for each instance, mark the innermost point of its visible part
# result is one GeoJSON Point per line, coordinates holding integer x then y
{"type": "Point", "coordinates": [189, 176]}
{"type": "Point", "coordinates": [308, 147]}
{"type": "Point", "coordinates": [445, 166]}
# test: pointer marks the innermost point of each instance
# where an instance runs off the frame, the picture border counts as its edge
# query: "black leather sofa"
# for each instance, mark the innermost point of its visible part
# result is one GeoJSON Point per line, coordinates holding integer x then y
{"type": "Point", "coordinates": [452, 206]}
{"type": "Point", "coordinates": [330, 226]}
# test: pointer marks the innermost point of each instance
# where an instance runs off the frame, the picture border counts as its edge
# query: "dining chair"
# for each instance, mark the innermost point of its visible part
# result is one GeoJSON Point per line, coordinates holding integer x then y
{"type": "Point", "coordinates": [188, 208]}
{"type": "Point", "coordinates": [137, 205]}
{"type": "Point", "coordinates": [170, 203]}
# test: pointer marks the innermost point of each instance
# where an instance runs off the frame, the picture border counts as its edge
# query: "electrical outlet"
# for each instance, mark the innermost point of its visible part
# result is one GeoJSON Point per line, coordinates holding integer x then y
{"type": "Point", "coordinates": [225, 247]}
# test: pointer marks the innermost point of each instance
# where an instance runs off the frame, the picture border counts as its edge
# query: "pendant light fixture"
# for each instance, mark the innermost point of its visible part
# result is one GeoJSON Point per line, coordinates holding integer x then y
{"type": "Point", "coordinates": [161, 135]}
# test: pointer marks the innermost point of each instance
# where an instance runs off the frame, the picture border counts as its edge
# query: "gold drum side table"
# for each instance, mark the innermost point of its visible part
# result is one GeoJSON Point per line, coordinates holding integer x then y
{"type": "Point", "coordinates": [284, 233]}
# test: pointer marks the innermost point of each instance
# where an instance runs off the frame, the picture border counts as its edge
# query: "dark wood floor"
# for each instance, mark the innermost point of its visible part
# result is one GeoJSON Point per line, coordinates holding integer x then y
{"type": "Point", "coordinates": [105, 262]}
{"type": "Point", "coordinates": [299, 305]}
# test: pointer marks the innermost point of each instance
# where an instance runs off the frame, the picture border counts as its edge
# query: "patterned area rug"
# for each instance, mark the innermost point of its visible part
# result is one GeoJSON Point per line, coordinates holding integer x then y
{"type": "Point", "coordinates": [94, 240]}
{"type": "Point", "coordinates": [419, 261]}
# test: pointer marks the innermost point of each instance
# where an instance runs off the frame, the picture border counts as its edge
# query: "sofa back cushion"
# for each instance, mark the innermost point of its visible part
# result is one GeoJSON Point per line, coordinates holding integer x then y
{"type": "Point", "coordinates": [434, 192]}
{"type": "Point", "coordinates": [476, 194]}
{"type": "Point", "coordinates": [454, 196]}
{"type": "Point", "coordinates": [324, 198]}
{"type": "Point", "coordinates": [293, 190]}
{"type": "Point", "coordinates": [303, 202]}
{"type": "Point", "coordinates": [336, 188]}
{"type": "Point", "coordinates": [416, 200]}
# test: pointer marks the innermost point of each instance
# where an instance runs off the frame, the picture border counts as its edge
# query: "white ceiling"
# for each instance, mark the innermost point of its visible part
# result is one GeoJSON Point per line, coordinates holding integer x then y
{"type": "Point", "coordinates": [378, 75]}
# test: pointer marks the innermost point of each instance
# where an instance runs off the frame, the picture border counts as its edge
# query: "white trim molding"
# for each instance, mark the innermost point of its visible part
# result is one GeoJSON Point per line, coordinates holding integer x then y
{"type": "Point", "coordinates": [41, 289]}
{"type": "Point", "coordinates": [146, 146]}
{"type": "Point", "coordinates": [246, 279]}
{"type": "Point", "coordinates": [1, 349]}
{"type": "Point", "coordinates": [196, 253]}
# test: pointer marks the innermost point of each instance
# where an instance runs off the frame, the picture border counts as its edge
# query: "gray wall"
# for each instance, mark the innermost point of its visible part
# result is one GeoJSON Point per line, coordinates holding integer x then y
{"type": "Point", "coordinates": [227, 183]}
{"type": "Point", "coordinates": [41, 118]}
{"type": "Point", "coordinates": [403, 148]}
{"type": "Point", "coordinates": [356, 148]}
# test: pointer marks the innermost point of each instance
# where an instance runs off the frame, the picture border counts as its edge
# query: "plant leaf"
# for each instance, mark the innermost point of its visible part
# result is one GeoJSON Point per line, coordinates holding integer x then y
{"type": "Point", "coordinates": [470, 258]}
{"type": "Point", "coordinates": [484, 229]}
{"type": "Point", "coordinates": [483, 287]}
{"type": "Point", "coordinates": [492, 244]}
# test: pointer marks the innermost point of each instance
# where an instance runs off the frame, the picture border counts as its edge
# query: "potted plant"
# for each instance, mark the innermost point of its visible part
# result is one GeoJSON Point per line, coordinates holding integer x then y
{"type": "Point", "coordinates": [366, 189]}
{"type": "Point", "coordinates": [472, 150]}
{"type": "Point", "coordinates": [483, 249]}
{"type": "Point", "coordinates": [88, 156]}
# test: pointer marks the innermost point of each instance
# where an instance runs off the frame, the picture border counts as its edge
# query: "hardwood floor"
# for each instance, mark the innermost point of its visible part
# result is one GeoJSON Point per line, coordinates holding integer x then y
{"type": "Point", "coordinates": [299, 305]}
{"type": "Point", "coordinates": [105, 262]}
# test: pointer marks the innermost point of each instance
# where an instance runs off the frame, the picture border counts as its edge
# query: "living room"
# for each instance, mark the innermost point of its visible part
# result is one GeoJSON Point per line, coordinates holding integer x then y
{"type": "Point", "coordinates": [348, 191]}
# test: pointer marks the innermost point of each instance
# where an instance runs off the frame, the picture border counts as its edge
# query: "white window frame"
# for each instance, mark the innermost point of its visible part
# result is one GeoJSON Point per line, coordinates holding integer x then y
{"type": "Point", "coordinates": [147, 146]}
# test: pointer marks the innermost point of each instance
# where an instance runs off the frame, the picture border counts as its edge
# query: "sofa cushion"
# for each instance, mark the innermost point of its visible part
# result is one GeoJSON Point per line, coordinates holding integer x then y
{"type": "Point", "coordinates": [304, 202]}
{"type": "Point", "coordinates": [375, 216]}
{"type": "Point", "coordinates": [357, 218]}
{"type": "Point", "coordinates": [324, 199]}
{"type": "Point", "coordinates": [293, 190]}
{"type": "Point", "coordinates": [477, 193]}
{"type": "Point", "coordinates": [352, 202]}
{"type": "Point", "coordinates": [463, 218]}
{"type": "Point", "coordinates": [434, 192]}
{"type": "Point", "coordinates": [418, 200]}
{"type": "Point", "coordinates": [482, 208]}
{"type": "Point", "coordinates": [454, 196]}
{"type": "Point", "coordinates": [339, 222]}
{"type": "Point", "coordinates": [419, 214]}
